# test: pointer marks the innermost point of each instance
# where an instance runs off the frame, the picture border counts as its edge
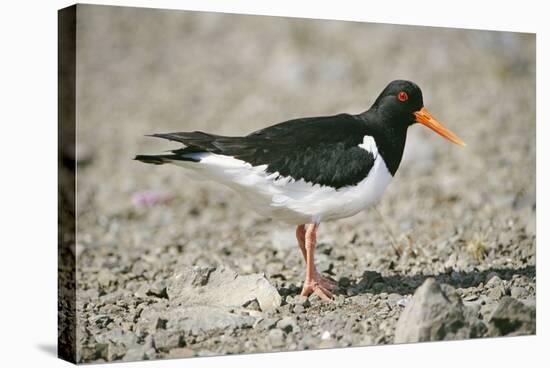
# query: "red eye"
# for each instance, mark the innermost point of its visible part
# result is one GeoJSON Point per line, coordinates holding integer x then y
{"type": "Point", "coordinates": [403, 96]}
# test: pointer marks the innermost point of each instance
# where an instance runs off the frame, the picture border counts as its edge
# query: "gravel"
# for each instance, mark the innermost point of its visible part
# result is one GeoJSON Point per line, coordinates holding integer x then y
{"type": "Point", "coordinates": [170, 267]}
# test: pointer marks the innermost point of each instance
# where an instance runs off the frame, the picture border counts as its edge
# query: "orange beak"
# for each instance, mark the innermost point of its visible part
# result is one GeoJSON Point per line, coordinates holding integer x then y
{"type": "Point", "coordinates": [424, 117]}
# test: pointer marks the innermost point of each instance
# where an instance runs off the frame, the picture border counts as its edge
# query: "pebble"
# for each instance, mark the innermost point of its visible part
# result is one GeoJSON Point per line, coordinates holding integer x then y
{"type": "Point", "coordinates": [298, 309]}
{"type": "Point", "coordinates": [471, 297]}
{"type": "Point", "coordinates": [134, 355]}
{"type": "Point", "coordinates": [158, 289]}
{"type": "Point", "coordinates": [496, 293]}
{"type": "Point", "coordinates": [403, 302]}
{"type": "Point", "coordinates": [267, 323]}
{"type": "Point", "coordinates": [277, 337]}
{"type": "Point", "coordinates": [493, 279]}
{"type": "Point", "coordinates": [301, 300]}
{"type": "Point", "coordinates": [394, 298]}
{"type": "Point", "coordinates": [288, 325]}
{"type": "Point", "coordinates": [344, 282]}
{"type": "Point", "coordinates": [253, 306]}
{"type": "Point", "coordinates": [326, 335]}
{"type": "Point", "coordinates": [518, 292]}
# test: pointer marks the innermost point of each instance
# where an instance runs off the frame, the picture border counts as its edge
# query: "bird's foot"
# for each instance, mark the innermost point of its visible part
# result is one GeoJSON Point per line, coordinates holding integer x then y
{"type": "Point", "coordinates": [326, 282]}
{"type": "Point", "coordinates": [320, 286]}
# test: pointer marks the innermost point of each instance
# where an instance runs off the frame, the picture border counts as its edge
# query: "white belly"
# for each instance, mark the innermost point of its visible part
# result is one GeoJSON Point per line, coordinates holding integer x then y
{"type": "Point", "coordinates": [288, 200]}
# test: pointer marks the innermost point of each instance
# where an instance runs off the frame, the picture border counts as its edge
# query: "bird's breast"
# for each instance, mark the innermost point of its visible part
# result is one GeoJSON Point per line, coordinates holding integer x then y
{"type": "Point", "coordinates": [321, 203]}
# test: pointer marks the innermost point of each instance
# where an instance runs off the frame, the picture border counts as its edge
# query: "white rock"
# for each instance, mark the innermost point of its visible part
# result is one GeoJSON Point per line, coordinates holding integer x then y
{"type": "Point", "coordinates": [325, 336]}
{"type": "Point", "coordinates": [222, 287]}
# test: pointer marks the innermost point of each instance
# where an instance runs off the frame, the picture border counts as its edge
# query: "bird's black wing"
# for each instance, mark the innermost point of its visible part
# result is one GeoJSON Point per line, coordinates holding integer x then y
{"type": "Point", "coordinates": [320, 150]}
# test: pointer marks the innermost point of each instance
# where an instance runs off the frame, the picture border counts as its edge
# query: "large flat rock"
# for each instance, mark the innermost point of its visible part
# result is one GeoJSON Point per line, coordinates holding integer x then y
{"type": "Point", "coordinates": [221, 287]}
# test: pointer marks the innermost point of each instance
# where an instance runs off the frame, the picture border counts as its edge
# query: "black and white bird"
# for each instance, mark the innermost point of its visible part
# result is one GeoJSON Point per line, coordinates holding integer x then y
{"type": "Point", "coordinates": [309, 170]}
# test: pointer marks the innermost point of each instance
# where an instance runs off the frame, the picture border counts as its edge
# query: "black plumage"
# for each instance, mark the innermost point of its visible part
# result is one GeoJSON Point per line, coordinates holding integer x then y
{"type": "Point", "coordinates": [323, 150]}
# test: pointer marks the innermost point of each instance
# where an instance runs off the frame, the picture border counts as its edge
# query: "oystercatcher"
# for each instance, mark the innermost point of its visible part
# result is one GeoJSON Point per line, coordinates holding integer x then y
{"type": "Point", "coordinates": [305, 171]}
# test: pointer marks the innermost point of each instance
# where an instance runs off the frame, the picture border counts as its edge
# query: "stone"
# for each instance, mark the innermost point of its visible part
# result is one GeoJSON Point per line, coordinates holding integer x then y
{"type": "Point", "coordinates": [266, 323]}
{"type": "Point", "coordinates": [530, 301]}
{"type": "Point", "coordinates": [118, 336]}
{"type": "Point", "coordinates": [199, 275]}
{"type": "Point", "coordinates": [344, 282]}
{"type": "Point", "coordinates": [301, 300]}
{"type": "Point", "coordinates": [101, 320]}
{"type": "Point", "coordinates": [276, 337]}
{"type": "Point", "coordinates": [161, 324]}
{"type": "Point", "coordinates": [487, 310]}
{"type": "Point", "coordinates": [288, 325]}
{"type": "Point", "coordinates": [252, 305]}
{"type": "Point", "coordinates": [134, 354]}
{"type": "Point", "coordinates": [158, 289]}
{"type": "Point", "coordinates": [222, 287]}
{"type": "Point", "coordinates": [493, 279]}
{"type": "Point", "coordinates": [298, 309]}
{"type": "Point", "coordinates": [139, 351]}
{"type": "Point", "coordinates": [435, 315]}
{"type": "Point", "coordinates": [150, 354]}
{"type": "Point", "coordinates": [394, 298]}
{"type": "Point", "coordinates": [512, 318]}
{"type": "Point", "coordinates": [496, 293]}
{"type": "Point", "coordinates": [142, 292]}
{"type": "Point", "coordinates": [168, 340]}
{"type": "Point", "coordinates": [518, 292]}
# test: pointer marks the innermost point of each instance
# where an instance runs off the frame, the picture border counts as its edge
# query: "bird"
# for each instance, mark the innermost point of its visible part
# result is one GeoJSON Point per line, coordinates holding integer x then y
{"type": "Point", "coordinates": [310, 170]}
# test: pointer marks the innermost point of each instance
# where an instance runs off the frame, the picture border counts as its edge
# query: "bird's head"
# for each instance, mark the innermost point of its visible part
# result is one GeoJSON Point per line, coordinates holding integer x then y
{"type": "Point", "coordinates": [401, 103]}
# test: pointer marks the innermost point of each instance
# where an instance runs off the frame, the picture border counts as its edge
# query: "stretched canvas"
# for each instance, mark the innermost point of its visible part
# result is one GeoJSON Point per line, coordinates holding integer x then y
{"type": "Point", "coordinates": [190, 225]}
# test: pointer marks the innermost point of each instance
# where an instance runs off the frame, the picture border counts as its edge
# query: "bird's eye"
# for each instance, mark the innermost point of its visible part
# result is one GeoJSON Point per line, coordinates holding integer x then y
{"type": "Point", "coordinates": [402, 96]}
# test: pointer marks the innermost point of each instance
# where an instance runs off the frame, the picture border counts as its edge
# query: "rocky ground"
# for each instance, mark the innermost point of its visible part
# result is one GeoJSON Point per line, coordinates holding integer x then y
{"type": "Point", "coordinates": [171, 267]}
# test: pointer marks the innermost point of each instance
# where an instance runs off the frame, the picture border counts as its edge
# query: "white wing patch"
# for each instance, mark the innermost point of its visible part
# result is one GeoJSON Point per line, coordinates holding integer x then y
{"type": "Point", "coordinates": [369, 145]}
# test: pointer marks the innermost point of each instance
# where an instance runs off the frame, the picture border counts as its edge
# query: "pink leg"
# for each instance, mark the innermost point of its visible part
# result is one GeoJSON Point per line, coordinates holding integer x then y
{"type": "Point", "coordinates": [301, 237]}
{"type": "Point", "coordinates": [313, 283]}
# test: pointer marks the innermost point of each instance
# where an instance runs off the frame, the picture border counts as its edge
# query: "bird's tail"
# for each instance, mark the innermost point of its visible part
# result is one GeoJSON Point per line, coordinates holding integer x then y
{"type": "Point", "coordinates": [163, 159]}
{"type": "Point", "coordinates": [194, 142]}
{"type": "Point", "coordinates": [153, 159]}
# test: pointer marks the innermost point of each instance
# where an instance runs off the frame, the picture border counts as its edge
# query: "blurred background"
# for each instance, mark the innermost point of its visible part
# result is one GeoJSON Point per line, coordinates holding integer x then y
{"type": "Point", "coordinates": [448, 209]}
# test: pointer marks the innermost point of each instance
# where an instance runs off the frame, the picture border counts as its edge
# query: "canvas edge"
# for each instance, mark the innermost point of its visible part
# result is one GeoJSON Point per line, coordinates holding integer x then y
{"type": "Point", "coordinates": [66, 201]}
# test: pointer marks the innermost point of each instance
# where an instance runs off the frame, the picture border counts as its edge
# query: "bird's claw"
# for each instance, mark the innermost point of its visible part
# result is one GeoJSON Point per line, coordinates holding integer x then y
{"type": "Point", "coordinates": [326, 282]}
{"type": "Point", "coordinates": [320, 286]}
